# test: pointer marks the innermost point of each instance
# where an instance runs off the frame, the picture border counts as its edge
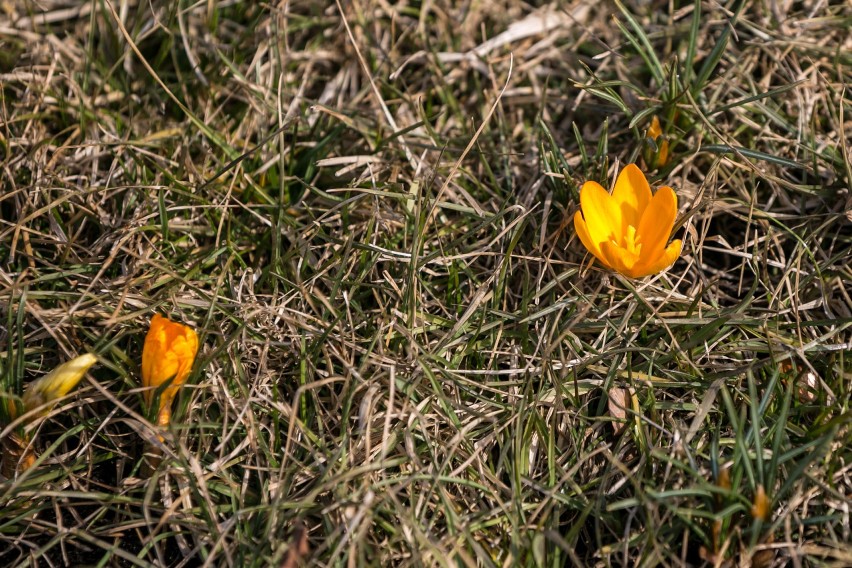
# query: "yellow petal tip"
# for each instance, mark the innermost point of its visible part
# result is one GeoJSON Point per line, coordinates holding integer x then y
{"type": "Point", "coordinates": [58, 382]}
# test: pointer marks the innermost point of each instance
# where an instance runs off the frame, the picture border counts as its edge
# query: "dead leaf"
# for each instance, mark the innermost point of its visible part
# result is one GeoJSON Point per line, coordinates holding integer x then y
{"type": "Point", "coordinates": [764, 557]}
{"type": "Point", "coordinates": [619, 402]}
{"type": "Point", "coordinates": [806, 381]}
{"type": "Point", "coordinates": [808, 385]}
{"type": "Point", "coordinates": [298, 550]}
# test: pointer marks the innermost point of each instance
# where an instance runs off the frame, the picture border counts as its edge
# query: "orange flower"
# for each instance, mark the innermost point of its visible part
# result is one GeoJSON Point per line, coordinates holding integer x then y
{"type": "Point", "coordinates": [654, 133]}
{"type": "Point", "coordinates": [168, 355]}
{"type": "Point", "coordinates": [628, 230]}
{"type": "Point", "coordinates": [761, 508]}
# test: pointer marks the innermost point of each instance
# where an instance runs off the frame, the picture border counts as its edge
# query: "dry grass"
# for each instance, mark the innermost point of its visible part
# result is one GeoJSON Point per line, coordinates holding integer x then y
{"type": "Point", "coordinates": [364, 208]}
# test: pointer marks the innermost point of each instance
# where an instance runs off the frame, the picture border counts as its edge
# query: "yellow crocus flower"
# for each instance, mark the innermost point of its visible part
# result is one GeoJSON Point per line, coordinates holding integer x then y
{"type": "Point", "coordinates": [18, 454]}
{"type": "Point", "coordinates": [628, 230]}
{"type": "Point", "coordinates": [57, 383]}
{"type": "Point", "coordinates": [168, 354]}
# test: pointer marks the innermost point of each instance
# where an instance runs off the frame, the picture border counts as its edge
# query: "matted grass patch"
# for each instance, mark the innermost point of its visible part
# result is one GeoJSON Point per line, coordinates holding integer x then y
{"type": "Point", "coordinates": [407, 357]}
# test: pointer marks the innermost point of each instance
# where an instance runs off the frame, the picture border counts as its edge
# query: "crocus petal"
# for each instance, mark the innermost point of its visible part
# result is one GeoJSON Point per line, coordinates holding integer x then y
{"type": "Point", "coordinates": [602, 215]}
{"type": "Point", "coordinates": [655, 228]}
{"type": "Point", "coordinates": [618, 258]}
{"type": "Point", "coordinates": [669, 256]}
{"type": "Point", "coordinates": [663, 155]}
{"type": "Point", "coordinates": [586, 238]}
{"type": "Point", "coordinates": [631, 194]}
{"type": "Point", "coordinates": [654, 130]}
{"type": "Point", "coordinates": [58, 382]}
{"type": "Point", "coordinates": [168, 354]}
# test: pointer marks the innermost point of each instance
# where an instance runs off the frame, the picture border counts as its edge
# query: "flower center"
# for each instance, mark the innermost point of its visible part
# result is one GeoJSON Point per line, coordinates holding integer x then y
{"type": "Point", "coordinates": [629, 246]}
{"type": "Point", "coordinates": [631, 241]}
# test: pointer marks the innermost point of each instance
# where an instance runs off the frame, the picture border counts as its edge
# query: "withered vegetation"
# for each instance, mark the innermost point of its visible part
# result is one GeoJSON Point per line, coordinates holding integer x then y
{"type": "Point", "coordinates": [406, 357]}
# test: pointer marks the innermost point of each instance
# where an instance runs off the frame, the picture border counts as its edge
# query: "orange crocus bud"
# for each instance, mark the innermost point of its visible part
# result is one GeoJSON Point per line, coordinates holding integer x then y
{"type": "Point", "coordinates": [761, 508]}
{"type": "Point", "coordinates": [168, 355]}
{"type": "Point", "coordinates": [628, 230]}
{"type": "Point", "coordinates": [655, 133]}
{"type": "Point", "coordinates": [724, 479]}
